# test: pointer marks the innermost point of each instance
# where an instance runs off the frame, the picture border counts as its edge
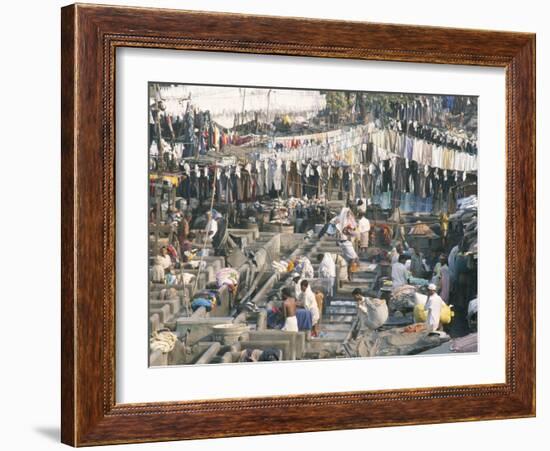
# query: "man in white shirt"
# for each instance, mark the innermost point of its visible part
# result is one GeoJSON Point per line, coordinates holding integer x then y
{"type": "Point", "coordinates": [399, 273]}
{"type": "Point", "coordinates": [211, 226]}
{"type": "Point", "coordinates": [433, 307]}
{"type": "Point", "coordinates": [308, 301]}
{"type": "Point", "coordinates": [295, 284]}
{"type": "Point", "coordinates": [364, 228]}
{"type": "Point", "coordinates": [349, 254]}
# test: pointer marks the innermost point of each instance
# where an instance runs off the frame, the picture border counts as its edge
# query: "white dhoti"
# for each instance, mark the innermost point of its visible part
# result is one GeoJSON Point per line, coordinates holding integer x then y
{"type": "Point", "coordinates": [364, 239]}
{"type": "Point", "coordinates": [432, 320]}
{"type": "Point", "coordinates": [291, 324]}
{"type": "Point", "coordinates": [315, 316]}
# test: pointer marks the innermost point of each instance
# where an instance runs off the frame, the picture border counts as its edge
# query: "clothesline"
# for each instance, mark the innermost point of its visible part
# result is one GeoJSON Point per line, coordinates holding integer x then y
{"type": "Point", "coordinates": [361, 144]}
{"type": "Point", "coordinates": [379, 145]}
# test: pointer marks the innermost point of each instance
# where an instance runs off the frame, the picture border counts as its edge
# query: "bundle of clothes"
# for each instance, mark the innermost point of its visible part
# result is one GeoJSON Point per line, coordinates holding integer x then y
{"type": "Point", "coordinates": [420, 229]}
{"type": "Point", "coordinates": [282, 266]}
{"type": "Point", "coordinates": [466, 218]}
{"type": "Point", "coordinates": [404, 298]}
{"type": "Point", "coordinates": [162, 340]}
{"type": "Point", "coordinates": [205, 298]}
{"type": "Point", "coordinates": [279, 214]}
{"type": "Point", "coordinates": [227, 277]}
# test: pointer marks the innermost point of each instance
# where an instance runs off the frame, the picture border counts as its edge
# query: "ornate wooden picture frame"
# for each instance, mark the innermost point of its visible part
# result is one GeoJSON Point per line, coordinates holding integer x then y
{"type": "Point", "coordinates": [90, 37]}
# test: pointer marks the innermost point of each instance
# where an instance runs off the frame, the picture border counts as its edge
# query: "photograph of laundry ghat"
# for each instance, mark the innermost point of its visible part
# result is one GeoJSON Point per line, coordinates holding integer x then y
{"type": "Point", "coordinates": [294, 224]}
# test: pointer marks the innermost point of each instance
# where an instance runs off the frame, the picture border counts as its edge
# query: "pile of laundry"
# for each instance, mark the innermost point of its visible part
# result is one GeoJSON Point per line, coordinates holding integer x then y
{"type": "Point", "coordinates": [418, 281]}
{"type": "Point", "coordinates": [282, 266]}
{"type": "Point", "coordinates": [467, 216]}
{"type": "Point", "coordinates": [293, 202]}
{"type": "Point", "coordinates": [196, 264]}
{"type": "Point", "coordinates": [467, 203]}
{"type": "Point", "coordinates": [185, 278]}
{"type": "Point", "coordinates": [205, 298]}
{"type": "Point", "coordinates": [279, 213]}
{"type": "Point", "coordinates": [163, 341]}
{"type": "Point", "coordinates": [228, 277]}
{"type": "Point", "coordinates": [404, 298]}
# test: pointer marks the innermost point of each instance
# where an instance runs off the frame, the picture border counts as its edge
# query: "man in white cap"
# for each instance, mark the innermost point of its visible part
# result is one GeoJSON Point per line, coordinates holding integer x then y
{"type": "Point", "coordinates": [433, 307]}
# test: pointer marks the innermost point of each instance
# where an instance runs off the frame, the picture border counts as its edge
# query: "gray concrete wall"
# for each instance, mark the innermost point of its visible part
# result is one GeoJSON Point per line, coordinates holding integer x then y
{"type": "Point", "coordinates": [200, 328]}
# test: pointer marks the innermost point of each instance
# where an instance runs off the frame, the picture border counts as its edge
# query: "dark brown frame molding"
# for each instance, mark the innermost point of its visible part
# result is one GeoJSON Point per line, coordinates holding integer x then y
{"type": "Point", "coordinates": [90, 35]}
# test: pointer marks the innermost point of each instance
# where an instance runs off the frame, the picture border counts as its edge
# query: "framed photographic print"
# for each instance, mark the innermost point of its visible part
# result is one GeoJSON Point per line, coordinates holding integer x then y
{"type": "Point", "coordinates": [278, 225]}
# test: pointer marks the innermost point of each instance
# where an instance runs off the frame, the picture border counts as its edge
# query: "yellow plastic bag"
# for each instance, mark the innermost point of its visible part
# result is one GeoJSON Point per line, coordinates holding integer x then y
{"type": "Point", "coordinates": [446, 314]}
{"type": "Point", "coordinates": [420, 314]}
